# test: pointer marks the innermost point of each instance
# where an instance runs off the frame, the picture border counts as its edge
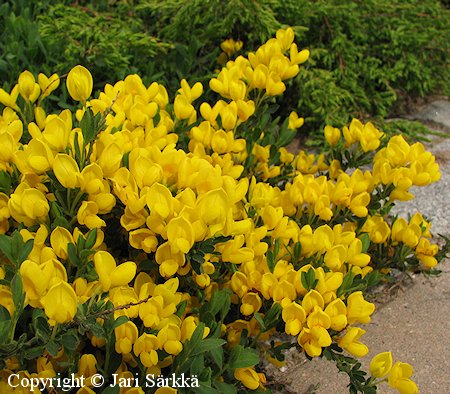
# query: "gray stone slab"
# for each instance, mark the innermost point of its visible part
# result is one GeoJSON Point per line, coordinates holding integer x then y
{"type": "Point", "coordinates": [437, 112]}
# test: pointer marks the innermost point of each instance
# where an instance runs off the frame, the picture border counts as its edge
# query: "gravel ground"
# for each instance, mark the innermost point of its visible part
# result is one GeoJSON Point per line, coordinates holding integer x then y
{"type": "Point", "coordinates": [415, 323]}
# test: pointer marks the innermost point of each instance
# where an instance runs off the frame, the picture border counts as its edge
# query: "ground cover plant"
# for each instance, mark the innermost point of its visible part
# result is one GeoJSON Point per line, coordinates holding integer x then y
{"type": "Point", "coordinates": [367, 58]}
{"type": "Point", "coordinates": [148, 236]}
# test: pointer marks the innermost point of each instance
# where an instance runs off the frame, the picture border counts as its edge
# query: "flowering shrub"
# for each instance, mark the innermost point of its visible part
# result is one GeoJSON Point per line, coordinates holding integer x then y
{"type": "Point", "coordinates": [143, 237]}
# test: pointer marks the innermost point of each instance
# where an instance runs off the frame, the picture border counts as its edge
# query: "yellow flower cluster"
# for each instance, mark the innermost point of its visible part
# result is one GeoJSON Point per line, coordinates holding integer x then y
{"type": "Point", "coordinates": [398, 374]}
{"type": "Point", "coordinates": [203, 219]}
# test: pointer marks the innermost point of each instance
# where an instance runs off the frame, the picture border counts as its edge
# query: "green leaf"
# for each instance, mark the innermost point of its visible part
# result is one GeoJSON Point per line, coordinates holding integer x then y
{"type": "Point", "coordinates": [112, 390]}
{"type": "Point", "coordinates": [197, 335]}
{"type": "Point", "coordinates": [5, 182]}
{"type": "Point", "coordinates": [297, 251]}
{"type": "Point", "coordinates": [346, 283]}
{"type": "Point", "coordinates": [205, 388]}
{"type": "Point", "coordinates": [6, 248]}
{"type": "Point", "coordinates": [25, 250]}
{"type": "Point", "coordinates": [90, 239]}
{"type": "Point", "coordinates": [241, 357]}
{"type": "Point", "coordinates": [225, 388]}
{"type": "Point", "coordinates": [197, 364]}
{"type": "Point", "coordinates": [73, 256]}
{"type": "Point", "coordinates": [219, 301]}
{"type": "Point", "coordinates": [207, 345]}
{"type": "Point", "coordinates": [33, 353]}
{"type": "Point", "coordinates": [309, 280]}
{"type": "Point", "coordinates": [18, 294]}
{"type": "Point", "coordinates": [365, 240]}
{"type": "Point", "coordinates": [217, 356]}
{"type": "Point", "coordinates": [260, 320]}
{"type": "Point", "coordinates": [5, 323]}
{"type": "Point", "coordinates": [53, 348]}
{"type": "Point", "coordinates": [270, 260]}
{"type": "Point", "coordinates": [70, 341]}
{"type": "Point", "coordinates": [87, 126]}
{"type": "Point", "coordinates": [119, 321]}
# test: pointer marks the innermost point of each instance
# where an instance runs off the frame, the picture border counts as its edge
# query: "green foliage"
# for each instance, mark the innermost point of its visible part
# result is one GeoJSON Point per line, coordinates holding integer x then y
{"type": "Point", "coordinates": [112, 45]}
{"type": "Point", "coordinates": [365, 56]}
{"type": "Point", "coordinates": [364, 53]}
{"type": "Point", "coordinates": [21, 45]}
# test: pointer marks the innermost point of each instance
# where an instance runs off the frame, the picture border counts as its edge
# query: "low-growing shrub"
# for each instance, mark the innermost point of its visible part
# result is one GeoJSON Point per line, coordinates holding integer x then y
{"type": "Point", "coordinates": [364, 55]}
{"type": "Point", "coordinates": [147, 237]}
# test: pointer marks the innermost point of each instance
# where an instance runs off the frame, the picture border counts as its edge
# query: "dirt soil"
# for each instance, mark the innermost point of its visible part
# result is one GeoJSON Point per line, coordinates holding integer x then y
{"type": "Point", "coordinates": [413, 322]}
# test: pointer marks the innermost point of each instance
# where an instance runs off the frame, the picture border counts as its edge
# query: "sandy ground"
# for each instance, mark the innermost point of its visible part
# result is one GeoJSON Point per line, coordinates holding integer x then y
{"type": "Point", "coordinates": [413, 325]}
{"type": "Point", "coordinates": [414, 322]}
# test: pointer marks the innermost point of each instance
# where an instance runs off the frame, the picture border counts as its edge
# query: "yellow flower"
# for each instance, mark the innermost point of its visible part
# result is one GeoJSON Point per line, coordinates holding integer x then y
{"type": "Point", "coordinates": [60, 303]}
{"type": "Point", "coordinates": [126, 336]}
{"type": "Point", "coordinates": [193, 93]}
{"type": "Point", "coordinates": [169, 336]}
{"type": "Point", "coordinates": [48, 85]}
{"type": "Point", "coordinates": [338, 314]}
{"type": "Point", "coordinates": [9, 99]}
{"type": "Point", "coordinates": [28, 205]}
{"type": "Point", "coordinates": [66, 171]}
{"type": "Point", "coordinates": [294, 316]}
{"type": "Point", "coordinates": [250, 378]}
{"type": "Point", "coordinates": [166, 390]}
{"type": "Point", "coordinates": [59, 240]}
{"type": "Point", "coordinates": [294, 121]}
{"type": "Point", "coordinates": [111, 275]}
{"type": "Point", "coordinates": [358, 309]}
{"type": "Point", "coordinates": [230, 46]}
{"type": "Point", "coordinates": [87, 215]}
{"type": "Point", "coordinates": [180, 235]}
{"type": "Point", "coordinates": [314, 339]}
{"type": "Point", "coordinates": [332, 135]}
{"type": "Point", "coordinates": [370, 137]}
{"type": "Point", "coordinates": [183, 108]}
{"type": "Point", "coordinates": [28, 88]}
{"type": "Point", "coordinates": [425, 252]}
{"type": "Point", "coordinates": [45, 368]}
{"type": "Point", "coordinates": [57, 131]}
{"type": "Point", "coordinates": [377, 229]}
{"type": "Point", "coordinates": [296, 56]}
{"type": "Point", "coordinates": [79, 83]}
{"type": "Point", "coordinates": [350, 342]}
{"type": "Point", "coordinates": [87, 366]}
{"type": "Point", "coordinates": [145, 348]}
{"type": "Point", "coordinates": [160, 200]}
{"type": "Point", "coordinates": [251, 303]}
{"type": "Point", "coordinates": [381, 364]}
{"type": "Point", "coordinates": [399, 378]}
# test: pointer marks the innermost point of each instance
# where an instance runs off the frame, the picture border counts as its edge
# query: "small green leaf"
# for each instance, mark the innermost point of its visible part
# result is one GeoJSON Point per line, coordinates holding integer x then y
{"type": "Point", "coordinates": [5, 182]}
{"type": "Point", "coordinates": [365, 240]}
{"type": "Point", "coordinates": [53, 348]}
{"type": "Point", "coordinates": [33, 353]}
{"type": "Point", "coordinates": [112, 389]}
{"type": "Point", "coordinates": [241, 357]}
{"type": "Point", "coordinates": [18, 294]}
{"type": "Point", "coordinates": [217, 356]}
{"type": "Point", "coordinates": [309, 280]}
{"type": "Point", "coordinates": [225, 388]}
{"type": "Point", "coordinates": [270, 260]}
{"type": "Point", "coordinates": [5, 323]}
{"type": "Point", "coordinates": [119, 321]}
{"type": "Point", "coordinates": [207, 345]}
{"type": "Point", "coordinates": [90, 239]}
{"type": "Point", "coordinates": [6, 248]}
{"type": "Point", "coordinates": [70, 341]}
